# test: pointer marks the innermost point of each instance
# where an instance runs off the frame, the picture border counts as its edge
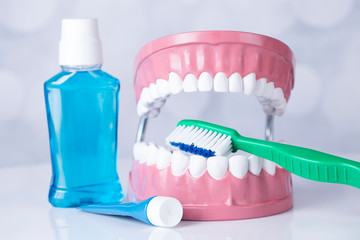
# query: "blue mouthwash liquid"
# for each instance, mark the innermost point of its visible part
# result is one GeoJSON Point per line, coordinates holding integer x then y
{"type": "Point", "coordinates": [82, 112]}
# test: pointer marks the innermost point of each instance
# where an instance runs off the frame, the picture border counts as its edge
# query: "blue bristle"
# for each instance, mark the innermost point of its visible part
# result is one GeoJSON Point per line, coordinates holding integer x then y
{"type": "Point", "coordinates": [193, 149]}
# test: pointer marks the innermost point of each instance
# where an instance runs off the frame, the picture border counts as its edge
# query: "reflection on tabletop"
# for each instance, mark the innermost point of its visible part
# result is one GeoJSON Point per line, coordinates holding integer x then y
{"type": "Point", "coordinates": [71, 224]}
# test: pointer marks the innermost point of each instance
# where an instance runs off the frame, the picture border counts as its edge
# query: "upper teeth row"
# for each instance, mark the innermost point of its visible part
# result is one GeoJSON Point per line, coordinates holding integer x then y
{"type": "Point", "coordinates": [217, 166]}
{"type": "Point", "coordinates": [153, 97]}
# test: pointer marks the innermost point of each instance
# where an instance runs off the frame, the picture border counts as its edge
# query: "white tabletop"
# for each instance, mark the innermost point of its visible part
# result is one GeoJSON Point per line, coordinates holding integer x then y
{"type": "Point", "coordinates": [321, 211]}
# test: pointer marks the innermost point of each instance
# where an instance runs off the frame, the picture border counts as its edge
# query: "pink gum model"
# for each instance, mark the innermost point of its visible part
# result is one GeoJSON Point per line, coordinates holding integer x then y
{"type": "Point", "coordinates": [203, 197]}
{"type": "Point", "coordinates": [215, 51]}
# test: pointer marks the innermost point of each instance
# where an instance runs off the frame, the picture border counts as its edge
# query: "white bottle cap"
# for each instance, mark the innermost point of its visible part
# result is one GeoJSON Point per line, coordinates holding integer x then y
{"type": "Point", "coordinates": [80, 43]}
{"type": "Point", "coordinates": [164, 211]}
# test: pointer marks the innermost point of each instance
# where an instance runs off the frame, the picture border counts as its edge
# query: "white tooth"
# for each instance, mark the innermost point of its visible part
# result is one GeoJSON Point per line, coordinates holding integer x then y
{"type": "Point", "coordinates": [205, 82]}
{"type": "Point", "coordinates": [236, 83]}
{"type": "Point", "coordinates": [145, 97]}
{"type": "Point", "coordinates": [269, 166]}
{"type": "Point", "coordinates": [190, 83]}
{"type": "Point", "coordinates": [163, 158]}
{"type": "Point", "coordinates": [151, 154]}
{"type": "Point", "coordinates": [217, 166]}
{"type": "Point", "coordinates": [278, 103]}
{"type": "Point", "coordinates": [141, 109]}
{"type": "Point", "coordinates": [154, 112]}
{"type": "Point", "coordinates": [138, 149]}
{"type": "Point", "coordinates": [254, 164]}
{"type": "Point", "coordinates": [221, 83]}
{"type": "Point", "coordinates": [239, 166]}
{"type": "Point", "coordinates": [264, 101]}
{"type": "Point", "coordinates": [249, 83]}
{"type": "Point", "coordinates": [159, 103]}
{"type": "Point", "coordinates": [278, 94]}
{"type": "Point", "coordinates": [175, 83]}
{"type": "Point", "coordinates": [260, 86]}
{"type": "Point", "coordinates": [281, 109]}
{"type": "Point", "coordinates": [143, 154]}
{"type": "Point", "coordinates": [153, 91]}
{"type": "Point", "coordinates": [269, 91]}
{"type": "Point", "coordinates": [268, 109]}
{"type": "Point", "coordinates": [179, 163]}
{"type": "Point", "coordinates": [163, 88]}
{"type": "Point", "coordinates": [197, 165]}
{"type": "Point", "coordinates": [277, 98]}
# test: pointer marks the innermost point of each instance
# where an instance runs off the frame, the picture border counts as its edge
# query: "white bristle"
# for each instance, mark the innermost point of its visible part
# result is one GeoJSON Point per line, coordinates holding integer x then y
{"type": "Point", "coordinates": [209, 140]}
{"type": "Point", "coordinates": [177, 129]}
{"type": "Point", "coordinates": [182, 134]}
{"type": "Point", "coordinates": [202, 134]}
{"type": "Point", "coordinates": [228, 152]}
{"type": "Point", "coordinates": [214, 141]}
{"type": "Point", "coordinates": [223, 146]}
{"type": "Point", "coordinates": [174, 134]}
{"type": "Point", "coordinates": [219, 143]}
{"type": "Point", "coordinates": [191, 135]}
{"type": "Point", "coordinates": [211, 144]}
{"type": "Point", "coordinates": [196, 133]}
{"type": "Point", "coordinates": [167, 139]}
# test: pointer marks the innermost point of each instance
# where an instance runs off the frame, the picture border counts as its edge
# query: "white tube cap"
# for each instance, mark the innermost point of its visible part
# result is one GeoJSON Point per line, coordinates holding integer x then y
{"type": "Point", "coordinates": [164, 211]}
{"type": "Point", "coordinates": [80, 42]}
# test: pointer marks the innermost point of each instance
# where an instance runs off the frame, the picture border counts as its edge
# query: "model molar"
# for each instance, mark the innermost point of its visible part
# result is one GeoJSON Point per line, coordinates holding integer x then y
{"type": "Point", "coordinates": [212, 188]}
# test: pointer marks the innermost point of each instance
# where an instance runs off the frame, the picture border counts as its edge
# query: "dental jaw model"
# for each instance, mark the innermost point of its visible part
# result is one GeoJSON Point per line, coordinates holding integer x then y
{"type": "Point", "coordinates": [215, 188]}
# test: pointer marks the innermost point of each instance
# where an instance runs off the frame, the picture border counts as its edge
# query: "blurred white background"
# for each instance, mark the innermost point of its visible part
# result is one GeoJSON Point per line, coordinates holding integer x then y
{"type": "Point", "coordinates": [323, 111]}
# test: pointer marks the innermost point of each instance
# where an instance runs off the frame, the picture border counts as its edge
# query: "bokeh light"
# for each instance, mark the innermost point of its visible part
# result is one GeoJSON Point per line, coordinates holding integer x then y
{"type": "Point", "coordinates": [11, 95]}
{"type": "Point", "coordinates": [24, 16]}
{"type": "Point", "coordinates": [322, 13]}
{"type": "Point", "coordinates": [307, 91]}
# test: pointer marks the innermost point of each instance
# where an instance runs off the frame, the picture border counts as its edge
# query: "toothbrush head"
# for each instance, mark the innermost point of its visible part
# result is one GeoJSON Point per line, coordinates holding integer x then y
{"type": "Point", "coordinates": [164, 211]}
{"type": "Point", "coordinates": [202, 138]}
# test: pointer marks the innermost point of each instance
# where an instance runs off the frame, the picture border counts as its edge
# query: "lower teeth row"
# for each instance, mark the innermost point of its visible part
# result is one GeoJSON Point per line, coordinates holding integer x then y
{"type": "Point", "coordinates": [238, 165]}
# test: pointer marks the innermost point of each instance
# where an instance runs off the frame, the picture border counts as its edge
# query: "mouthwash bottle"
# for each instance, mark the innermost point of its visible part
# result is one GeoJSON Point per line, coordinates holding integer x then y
{"type": "Point", "coordinates": [82, 111]}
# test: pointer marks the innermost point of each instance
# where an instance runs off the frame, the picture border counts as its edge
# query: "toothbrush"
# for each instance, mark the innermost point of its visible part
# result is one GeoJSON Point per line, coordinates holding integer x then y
{"type": "Point", "coordinates": [207, 139]}
{"type": "Point", "coordinates": [157, 211]}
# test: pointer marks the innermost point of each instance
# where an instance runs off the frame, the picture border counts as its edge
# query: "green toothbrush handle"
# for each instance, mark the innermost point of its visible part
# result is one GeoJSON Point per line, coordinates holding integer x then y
{"type": "Point", "coordinates": [304, 162]}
